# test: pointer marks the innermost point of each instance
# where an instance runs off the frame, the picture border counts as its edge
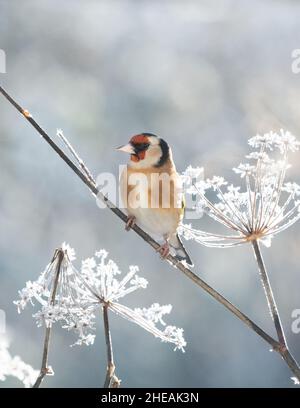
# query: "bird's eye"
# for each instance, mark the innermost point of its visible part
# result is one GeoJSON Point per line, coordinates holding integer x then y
{"type": "Point", "coordinates": [141, 147]}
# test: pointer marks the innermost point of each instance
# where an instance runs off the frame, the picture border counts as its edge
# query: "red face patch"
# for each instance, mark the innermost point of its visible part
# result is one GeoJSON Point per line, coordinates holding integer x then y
{"type": "Point", "coordinates": [139, 139]}
{"type": "Point", "coordinates": [140, 143]}
{"type": "Point", "coordinates": [139, 156]}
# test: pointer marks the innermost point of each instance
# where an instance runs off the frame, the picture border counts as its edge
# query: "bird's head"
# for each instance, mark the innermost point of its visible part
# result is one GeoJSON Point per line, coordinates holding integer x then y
{"type": "Point", "coordinates": [147, 150]}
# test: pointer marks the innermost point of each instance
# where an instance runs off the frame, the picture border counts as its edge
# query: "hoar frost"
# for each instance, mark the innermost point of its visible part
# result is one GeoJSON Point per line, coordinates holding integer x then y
{"type": "Point", "coordinates": [15, 366]}
{"type": "Point", "coordinates": [259, 209]}
{"type": "Point", "coordinates": [79, 294]}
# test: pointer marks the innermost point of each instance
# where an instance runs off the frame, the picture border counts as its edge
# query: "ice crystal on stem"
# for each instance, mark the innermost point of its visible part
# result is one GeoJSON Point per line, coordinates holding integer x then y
{"type": "Point", "coordinates": [80, 293]}
{"type": "Point", "coordinates": [265, 206]}
{"type": "Point", "coordinates": [15, 366]}
{"type": "Point", "coordinates": [295, 380]}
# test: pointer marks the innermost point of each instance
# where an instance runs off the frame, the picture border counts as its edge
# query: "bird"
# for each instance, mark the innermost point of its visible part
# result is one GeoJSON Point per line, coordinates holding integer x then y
{"type": "Point", "coordinates": [151, 191]}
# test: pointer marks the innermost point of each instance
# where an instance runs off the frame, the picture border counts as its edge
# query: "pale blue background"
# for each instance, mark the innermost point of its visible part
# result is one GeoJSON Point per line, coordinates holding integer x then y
{"type": "Point", "coordinates": [205, 75]}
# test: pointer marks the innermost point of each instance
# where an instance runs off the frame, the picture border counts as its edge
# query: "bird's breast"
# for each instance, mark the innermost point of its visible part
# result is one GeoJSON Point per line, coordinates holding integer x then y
{"type": "Point", "coordinates": [154, 198]}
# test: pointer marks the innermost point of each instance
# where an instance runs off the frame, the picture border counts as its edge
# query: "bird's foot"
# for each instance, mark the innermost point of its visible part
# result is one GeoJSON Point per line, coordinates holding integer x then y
{"type": "Point", "coordinates": [164, 250]}
{"type": "Point", "coordinates": [131, 220]}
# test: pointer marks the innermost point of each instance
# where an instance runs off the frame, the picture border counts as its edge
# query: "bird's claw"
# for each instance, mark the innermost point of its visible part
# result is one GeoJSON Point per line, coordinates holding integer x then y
{"type": "Point", "coordinates": [164, 250]}
{"type": "Point", "coordinates": [130, 222]}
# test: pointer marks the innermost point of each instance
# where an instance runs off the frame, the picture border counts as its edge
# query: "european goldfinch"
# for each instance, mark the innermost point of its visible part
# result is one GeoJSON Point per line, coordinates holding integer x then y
{"type": "Point", "coordinates": [151, 192]}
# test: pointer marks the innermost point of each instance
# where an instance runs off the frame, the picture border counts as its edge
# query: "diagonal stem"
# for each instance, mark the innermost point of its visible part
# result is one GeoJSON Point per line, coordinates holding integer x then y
{"type": "Point", "coordinates": [147, 238]}
{"type": "Point", "coordinates": [269, 293]}
{"type": "Point", "coordinates": [282, 349]}
{"type": "Point", "coordinates": [59, 255]}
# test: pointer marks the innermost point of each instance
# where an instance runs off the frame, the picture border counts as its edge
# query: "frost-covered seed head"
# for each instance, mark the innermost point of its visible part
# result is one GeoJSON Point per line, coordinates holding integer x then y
{"type": "Point", "coordinates": [80, 294]}
{"type": "Point", "coordinates": [265, 206]}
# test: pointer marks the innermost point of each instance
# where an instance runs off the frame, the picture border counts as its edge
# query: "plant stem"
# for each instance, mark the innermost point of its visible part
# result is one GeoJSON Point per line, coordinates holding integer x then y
{"type": "Point", "coordinates": [265, 281]}
{"type": "Point", "coordinates": [110, 371]}
{"type": "Point", "coordinates": [59, 255]}
{"type": "Point", "coordinates": [291, 362]}
{"type": "Point", "coordinates": [147, 238]}
{"type": "Point", "coordinates": [282, 349]}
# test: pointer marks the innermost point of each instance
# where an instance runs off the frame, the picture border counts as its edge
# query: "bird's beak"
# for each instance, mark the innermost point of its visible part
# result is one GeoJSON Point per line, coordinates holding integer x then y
{"type": "Point", "coordinates": [126, 148]}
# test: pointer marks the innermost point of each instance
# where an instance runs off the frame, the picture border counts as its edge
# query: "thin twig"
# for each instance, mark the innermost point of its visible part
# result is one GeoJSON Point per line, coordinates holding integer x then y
{"type": "Point", "coordinates": [81, 163]}
{"type": "Point", "coordinates": [178, 265]}
{"type": "Point", "coordinates": [59, 256]}
{"type": "Point", "coordinates": [110, 379]}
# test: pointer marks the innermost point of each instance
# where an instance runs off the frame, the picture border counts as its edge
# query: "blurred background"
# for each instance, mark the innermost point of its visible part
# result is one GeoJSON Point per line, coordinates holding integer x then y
{"type": "Point", "coordinates": [205, 75]}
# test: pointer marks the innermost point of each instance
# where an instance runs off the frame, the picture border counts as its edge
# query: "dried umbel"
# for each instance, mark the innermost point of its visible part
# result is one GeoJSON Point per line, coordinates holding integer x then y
{"type": "Point", "coordinates": [259, 209]}
{"type": "Point", "coordinates": [263, 207]}
{"type": "Point", "coordinates": [78, 295]}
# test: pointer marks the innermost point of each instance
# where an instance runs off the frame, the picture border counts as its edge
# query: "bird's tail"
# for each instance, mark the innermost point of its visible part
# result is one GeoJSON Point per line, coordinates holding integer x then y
{"type": "Point", "coordinates": [180, 251]}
